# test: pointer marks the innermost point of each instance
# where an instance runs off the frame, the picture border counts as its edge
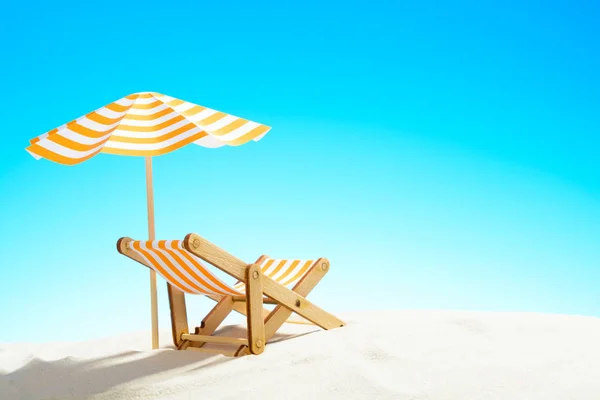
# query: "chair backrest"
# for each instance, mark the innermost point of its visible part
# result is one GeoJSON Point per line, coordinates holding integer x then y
{"type": "Point", "coordinates": [180, 268]}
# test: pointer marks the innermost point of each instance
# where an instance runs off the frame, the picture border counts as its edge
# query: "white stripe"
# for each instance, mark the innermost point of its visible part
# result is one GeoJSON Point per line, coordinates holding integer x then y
{"type": "Point", "coordinates": [43, 136]}
{"type": "Point", "coordinates": [181, 269]}
{"type": "Point", "coordinates": [264, 263]}
{"type": "Point", "coordinates": [76, 137]}
{"type": "Point", "coordinates": [210, 142]}
{"type": "Point", "coordinates": [240, 287]}
{"type": "Point", "coordinates": [165, 267]}
{"type": "Point", "coordinates": [124, 101]}
{"type": "Point", "coordinates": [152, 146]}
{"type": "Point", "coordinates": [163, 97]}
{"type": "Point", "coordinates": [239, 132]}
{"type": "Point", "coordinates": [272, 267]}
{"type": "Point", "coordinates": [153, 134]}
{"type": "Point", "coordinates": [204, 274]}
{"type": "Point", "coordinates": [183, 107]}
{"type": "Point", "coordinates": [152, 122]}
{"type": "Point", "coordinates": [285, 267]}
{"type": "Point", "coordinates": [65, 151]}
{"type": "Point", "coordinates": [226, 120]}
{"type": "Point", "coordinates": [93, 125]}
{"type": "Point", "coordinates": [289, 279]}
{"type": "Point", "coordinates": [196, 118]}
{"type": "Point", "coordinates": [105, 112]}
{"type": "Point", "coordinates": [146, 100]}
{"type": "Point", "coordinates": [33, 155]}
{"type": "Point", "coordinates": [285, 270]}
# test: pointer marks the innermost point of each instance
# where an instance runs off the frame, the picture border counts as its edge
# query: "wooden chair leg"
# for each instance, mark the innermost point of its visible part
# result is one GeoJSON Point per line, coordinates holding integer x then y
{"type": "Point", "coordinates": [280, 314]}
{"type": "Point", "coordinates": [213, 319]}
{"type": "Point", "coordinates": [179, 322]}
{"type": "Point", "coordinates": [254, 307]}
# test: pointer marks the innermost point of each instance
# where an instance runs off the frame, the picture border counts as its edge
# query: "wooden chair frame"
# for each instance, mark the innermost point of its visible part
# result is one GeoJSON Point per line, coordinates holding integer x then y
{"type": "Point", "coordinates": [262, 324]}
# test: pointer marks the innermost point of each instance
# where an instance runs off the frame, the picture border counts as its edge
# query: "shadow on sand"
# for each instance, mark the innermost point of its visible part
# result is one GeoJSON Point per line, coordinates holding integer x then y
{"type": "Point", "coordinates": [74, 378]}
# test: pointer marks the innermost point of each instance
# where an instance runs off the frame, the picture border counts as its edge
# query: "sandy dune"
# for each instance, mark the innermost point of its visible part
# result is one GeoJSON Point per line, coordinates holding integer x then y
{"type": "Point", "coordinates": [416, 355]}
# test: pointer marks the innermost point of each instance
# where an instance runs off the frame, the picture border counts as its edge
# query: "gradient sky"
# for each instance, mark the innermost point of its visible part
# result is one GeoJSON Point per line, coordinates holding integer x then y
{"type": "Point", "coordinates": [441, 155]}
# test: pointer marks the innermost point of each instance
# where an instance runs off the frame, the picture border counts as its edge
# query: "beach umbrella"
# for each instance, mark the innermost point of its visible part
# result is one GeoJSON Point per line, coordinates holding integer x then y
{"type": "Point", "coordinates": [145, 125]}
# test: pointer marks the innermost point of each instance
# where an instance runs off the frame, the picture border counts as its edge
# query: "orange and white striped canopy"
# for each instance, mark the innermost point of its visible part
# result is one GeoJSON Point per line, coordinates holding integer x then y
{"type": "Point", "coordinates": [143, 124]}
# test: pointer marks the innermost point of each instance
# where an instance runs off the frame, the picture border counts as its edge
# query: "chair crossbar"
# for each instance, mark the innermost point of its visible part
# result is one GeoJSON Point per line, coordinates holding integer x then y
{"type": "Point", "coordinates": [214, 339]}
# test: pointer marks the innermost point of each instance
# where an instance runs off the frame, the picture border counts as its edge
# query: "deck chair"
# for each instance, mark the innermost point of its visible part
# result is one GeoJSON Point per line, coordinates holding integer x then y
{"type": "Point", "coordinates": [284, 283]}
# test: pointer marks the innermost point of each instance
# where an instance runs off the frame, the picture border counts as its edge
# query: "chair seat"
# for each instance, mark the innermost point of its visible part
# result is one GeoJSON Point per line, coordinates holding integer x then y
{"type": "Point", "coordinates": [192, 275]}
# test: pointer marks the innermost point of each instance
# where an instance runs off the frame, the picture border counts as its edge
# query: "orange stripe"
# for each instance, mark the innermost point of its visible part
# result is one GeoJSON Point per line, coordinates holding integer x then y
{"type": "Point", "coordinates": [153, 153]}
{"type": "Point", "coordinates": [91, 133]}
{"type": "Point", "coordinates": [267, 265]}
{"type": "Point", "coordinates": [193, 273]}
{"type": "Point", "coordinates": [221, 288]}
{"type": "Point", "coordinates": [259, 130]}
{"type": "Point", "coordinates": [162, 245]}
{"type": "Point", "coordinates": [298, 275]}
{"type": "Point", "coordinates": [37, 139]}
{"type": "Point", "coordinates": [211, 277]}
{"type": "Point", "coordinates": [144, 96]}
{"type": "Point", "coordinates": [57, 158]}
{"type": "Point", "coordinates": [148, 106]}
{"type": "Point", "coordinates": [189, 257]}
{"type": "Point", "coordinates": [125, 139]}
{"type": "Point", "coordinates": [277, 268]}
{"type": "Point", "coordinates": [288, 270]}
{"type": "Point", "coordinates": [175, 102]}
{"type": "Point", "coordinates": [182, 264]}
{"type": "Point", "coordinates": [68, 143]}
{"type": "Point", "coordinates": [230, 127]}
{"type": "Point", "coordinates": [133, 128]}
{"type": "Point", "coordinates": [193, 111]}
{"type": "Point", "coordinates": [213, 118]}
{"type": "Point", "coordinates": [117, 107]}
{"type": "Point", "coordinates": [157, 266]}
{"type": "Point", "coordinates": [147, 117]}
{"type": "Point", "coordinates": [101, 119]}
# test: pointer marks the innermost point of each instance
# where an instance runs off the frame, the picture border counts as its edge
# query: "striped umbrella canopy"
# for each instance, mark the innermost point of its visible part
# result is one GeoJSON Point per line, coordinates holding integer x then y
{"type": "Point", "coordinates": [144, 124]}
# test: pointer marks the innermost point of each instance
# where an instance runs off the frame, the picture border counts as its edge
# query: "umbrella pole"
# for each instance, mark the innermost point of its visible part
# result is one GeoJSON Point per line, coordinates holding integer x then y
{"type": "Point", "coordinates": [151, 236]}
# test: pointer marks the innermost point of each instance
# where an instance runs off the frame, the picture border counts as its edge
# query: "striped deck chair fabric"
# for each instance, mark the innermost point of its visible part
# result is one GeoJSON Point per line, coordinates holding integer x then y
{"type": "Point", "coordinates": [284, 272]}
{"type": "Point", "coordinates": [191, 275]}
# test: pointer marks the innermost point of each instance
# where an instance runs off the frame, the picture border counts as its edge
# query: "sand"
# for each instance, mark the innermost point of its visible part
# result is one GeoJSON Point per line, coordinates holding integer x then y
{"type": "Point", "coordinates": [416, 355]}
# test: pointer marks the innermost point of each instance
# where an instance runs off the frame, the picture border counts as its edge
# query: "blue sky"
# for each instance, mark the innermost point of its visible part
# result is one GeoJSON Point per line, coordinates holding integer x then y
{"type": "Point", "coordinates": [442, 155]}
